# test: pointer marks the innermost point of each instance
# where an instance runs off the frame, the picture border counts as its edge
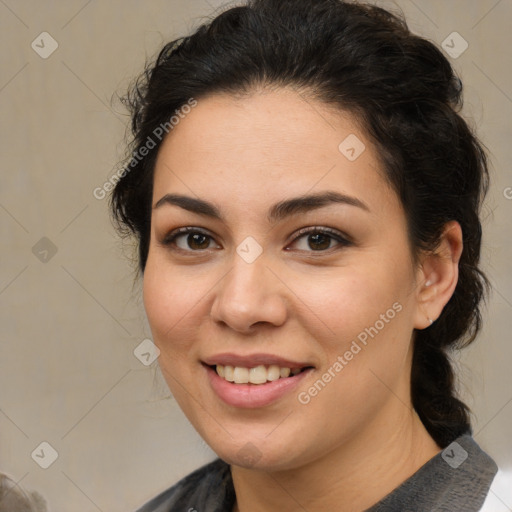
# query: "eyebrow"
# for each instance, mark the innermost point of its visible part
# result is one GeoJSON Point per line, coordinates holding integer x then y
{"type": "Point", "coordinates": [277, 212]}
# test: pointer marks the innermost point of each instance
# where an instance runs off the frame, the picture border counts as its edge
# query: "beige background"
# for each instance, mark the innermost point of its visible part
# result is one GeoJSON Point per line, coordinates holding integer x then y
{"type": "Point", "coordinates": [68, 374]}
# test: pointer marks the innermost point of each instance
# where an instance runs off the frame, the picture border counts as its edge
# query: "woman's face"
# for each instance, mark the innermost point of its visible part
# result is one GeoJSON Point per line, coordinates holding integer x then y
{"type": "Point", "coordinates": [266, 278]}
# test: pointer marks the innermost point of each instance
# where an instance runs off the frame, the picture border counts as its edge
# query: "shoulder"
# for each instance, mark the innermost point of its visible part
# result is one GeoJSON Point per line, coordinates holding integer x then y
{"type": "Point", "coordinates": [475, 468]}
{"type": "Point", "coordinates": [208, 488]}
{"type": "Point", "coordinates": [456, 479]}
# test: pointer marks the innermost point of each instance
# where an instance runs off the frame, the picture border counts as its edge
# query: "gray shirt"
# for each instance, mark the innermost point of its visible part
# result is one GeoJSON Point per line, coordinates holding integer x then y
{"type": "Point", "coordinates": [456, 479]}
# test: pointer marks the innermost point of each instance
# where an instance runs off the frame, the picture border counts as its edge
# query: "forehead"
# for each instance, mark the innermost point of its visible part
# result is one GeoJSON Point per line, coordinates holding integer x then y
{"type": "Point", "coordinates": [268, 144]}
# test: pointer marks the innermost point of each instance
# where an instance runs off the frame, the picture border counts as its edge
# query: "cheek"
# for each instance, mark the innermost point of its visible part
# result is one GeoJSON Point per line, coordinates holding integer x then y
{"type": "Point", "coordinates": [368, 311]}
{"type": "Point", "coordinates": [172, 303]}
{"type": "Point", "coordinates": [354, 297]}
{"type": "Point", "coordinates": [172, 299]}
{"type": "Point", "coordinates": [367, 316]}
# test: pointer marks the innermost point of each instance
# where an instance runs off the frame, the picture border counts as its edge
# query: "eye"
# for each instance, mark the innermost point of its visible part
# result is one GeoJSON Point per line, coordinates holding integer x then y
{"type": "Point", "coordinates": [189, 239]}
{"type": "Point", "coordinates": [316, 239]}
{"type": "Point", "coordinates": [319, 239]}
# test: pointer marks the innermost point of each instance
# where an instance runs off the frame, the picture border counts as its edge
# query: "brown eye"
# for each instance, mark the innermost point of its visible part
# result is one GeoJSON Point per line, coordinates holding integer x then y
{"type": "Point", "coordinates": [319, 240]}
{"type": "Point", "coordinates": [189, 239]}
{"type": "Point", "coordinates": [197, 241]}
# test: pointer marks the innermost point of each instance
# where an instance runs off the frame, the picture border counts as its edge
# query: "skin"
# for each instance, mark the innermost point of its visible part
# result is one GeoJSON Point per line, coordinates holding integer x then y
{"type": "Point", "coordinates": [359, 438]}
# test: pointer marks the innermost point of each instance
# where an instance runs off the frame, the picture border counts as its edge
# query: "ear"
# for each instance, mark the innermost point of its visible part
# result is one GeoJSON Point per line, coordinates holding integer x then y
{"type": "Point", "coordinates": [437, 276]}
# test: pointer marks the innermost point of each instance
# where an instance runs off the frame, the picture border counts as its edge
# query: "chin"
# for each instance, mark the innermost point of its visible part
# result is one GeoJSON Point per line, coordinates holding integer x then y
{"type": "Point", "coordinates": [255, 453]}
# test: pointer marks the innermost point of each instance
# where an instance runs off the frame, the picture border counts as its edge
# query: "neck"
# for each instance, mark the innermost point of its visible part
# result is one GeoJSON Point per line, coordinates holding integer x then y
{"type": "Point", "coordinates": [356, 474]}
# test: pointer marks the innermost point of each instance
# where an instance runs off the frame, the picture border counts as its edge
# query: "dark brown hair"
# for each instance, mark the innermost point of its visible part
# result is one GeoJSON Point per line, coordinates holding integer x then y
{"type": "Point", "coordinates": [402, 89]}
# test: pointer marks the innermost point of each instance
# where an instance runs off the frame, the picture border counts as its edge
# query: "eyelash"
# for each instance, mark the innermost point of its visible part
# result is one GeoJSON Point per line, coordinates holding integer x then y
{"type": "Point", "coordinates": [342, 239]}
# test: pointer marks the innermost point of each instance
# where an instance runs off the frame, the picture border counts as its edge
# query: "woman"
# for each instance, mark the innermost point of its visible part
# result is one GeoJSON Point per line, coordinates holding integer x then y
{"type": "Point", "coordinates": [305, 198]}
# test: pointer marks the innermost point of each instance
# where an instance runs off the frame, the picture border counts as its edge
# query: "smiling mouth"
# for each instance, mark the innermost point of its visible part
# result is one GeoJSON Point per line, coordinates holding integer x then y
{"type": "Point", "coordinates": [260, 374]}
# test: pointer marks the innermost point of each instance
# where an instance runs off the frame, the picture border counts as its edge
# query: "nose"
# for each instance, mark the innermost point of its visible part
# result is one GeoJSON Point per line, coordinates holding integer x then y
{"type": "Point", "coordinates": [249, 294]}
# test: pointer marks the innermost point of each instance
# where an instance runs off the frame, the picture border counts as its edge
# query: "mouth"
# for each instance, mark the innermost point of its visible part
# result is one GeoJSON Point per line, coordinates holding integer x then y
{"type": "Point", "coordinates": [259, 380]}
{"type": "Point", "coordinates": [257, 375]}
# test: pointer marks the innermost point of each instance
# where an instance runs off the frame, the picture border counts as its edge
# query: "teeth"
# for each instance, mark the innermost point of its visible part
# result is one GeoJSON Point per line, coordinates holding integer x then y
{"type": "Point", "coordinates": [273, 372]}
{"type": "Point", "coordinates": [241, 375]}
{"type": "Point", "coordinates": [228, 373]}
{"type": "Point", "coordinates": [257, 375]}
{"type": "Point", "coordinates": [284, 372]}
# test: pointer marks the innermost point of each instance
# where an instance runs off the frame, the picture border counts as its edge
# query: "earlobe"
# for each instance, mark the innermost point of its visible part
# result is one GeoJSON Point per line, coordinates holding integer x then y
{"type": "Point", "coordinates": [438, 275]}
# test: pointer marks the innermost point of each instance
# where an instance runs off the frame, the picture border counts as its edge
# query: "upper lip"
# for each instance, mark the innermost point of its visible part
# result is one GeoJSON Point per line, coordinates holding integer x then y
{"type": "Point", "coordinates": [252, 360]}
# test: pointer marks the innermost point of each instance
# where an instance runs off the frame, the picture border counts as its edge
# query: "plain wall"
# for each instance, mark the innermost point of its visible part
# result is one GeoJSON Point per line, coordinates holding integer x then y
{"type": "Point", "coordinates": [69, 326]}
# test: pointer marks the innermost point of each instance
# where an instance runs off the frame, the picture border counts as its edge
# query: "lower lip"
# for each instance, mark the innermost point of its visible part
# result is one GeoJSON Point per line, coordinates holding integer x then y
{"type": "Point", "coordinates": [249, 396]}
